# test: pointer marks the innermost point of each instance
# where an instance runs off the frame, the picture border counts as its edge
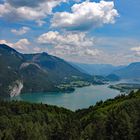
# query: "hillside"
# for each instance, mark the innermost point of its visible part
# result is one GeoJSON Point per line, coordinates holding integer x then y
{"type": "Point", "coordinates": [131, 71]}
{"type": "Point", "coordinates": [39, 72]}
{"type": "Point", "coordinates": [114, 119]}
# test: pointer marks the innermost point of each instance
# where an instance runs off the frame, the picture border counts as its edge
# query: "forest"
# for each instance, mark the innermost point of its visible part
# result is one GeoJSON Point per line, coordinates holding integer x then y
{"type": "Point", "coordinates": [114, 119]}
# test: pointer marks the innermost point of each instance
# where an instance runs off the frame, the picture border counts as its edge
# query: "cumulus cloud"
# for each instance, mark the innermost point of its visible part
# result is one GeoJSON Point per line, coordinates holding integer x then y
{"type": "Point", "coordinates": [86, 15]}
{"type": "Point", "coordinates": [6, 42]}
{"type": "Point", "coordinates": [37, 49]}
{"type": "Point", "coordinates": [68, 46]}
{"type": "Point", "coordinates": [40, 22]}
{"type": "Point", "coordinates": [22, 45]}
{"type": "Point", "coordinates": [136, 50]}
{"type": "Point", "coordinates": [92, 52]}
{"type": "Point", "coordinates": [71, 39]}
{"type": "Point", "coordinates": [97, 50]}
{"type": "Point", "coordinates": [27, 9]}
{"type": "Point", "coordinates": [21, 31]}
{"type": "Point", "coordinates": [69, 43]}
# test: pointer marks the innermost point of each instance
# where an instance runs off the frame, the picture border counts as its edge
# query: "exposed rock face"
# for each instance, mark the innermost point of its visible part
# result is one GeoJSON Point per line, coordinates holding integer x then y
{"type": "Point", "coordinates": [26, 64]}
{"type": "Point", "coordinates": [16, 88]}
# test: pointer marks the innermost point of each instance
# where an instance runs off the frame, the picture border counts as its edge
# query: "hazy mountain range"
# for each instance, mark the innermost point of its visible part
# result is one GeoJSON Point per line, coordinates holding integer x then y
{"type": "Point", "coordinates": [129, 72]}
{"type": "Point", "coordinates": [96, 69]}
{"type": "Point", "coordinates": [132, 71]}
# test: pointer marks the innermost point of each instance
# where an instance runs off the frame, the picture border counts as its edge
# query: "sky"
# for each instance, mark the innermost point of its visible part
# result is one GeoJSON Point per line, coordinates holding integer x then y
{"type": "Point", "coordinates": [83, 31]}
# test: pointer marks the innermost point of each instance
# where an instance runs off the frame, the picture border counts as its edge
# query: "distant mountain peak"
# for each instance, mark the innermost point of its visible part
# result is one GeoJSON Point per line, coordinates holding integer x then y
{"type": "Point", "coordinates": [6, 47]}
{"type": "Point", "coordinates": [132, 71]}
{"type": "Point", "coordinates": [44, 53]}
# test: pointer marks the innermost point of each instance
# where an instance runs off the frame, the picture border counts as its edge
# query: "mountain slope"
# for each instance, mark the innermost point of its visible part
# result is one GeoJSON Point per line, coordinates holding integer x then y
{"type": "Point", "coordinates": [131, 71]}
{"type": "Point", "coordinates": [37, 72]}
{"type": "Point", "coordinates": [57, 68]}
{"type": "Point", "coordinates": [10, 61]}
{"type": "Point", "coordinates": [113, 119]}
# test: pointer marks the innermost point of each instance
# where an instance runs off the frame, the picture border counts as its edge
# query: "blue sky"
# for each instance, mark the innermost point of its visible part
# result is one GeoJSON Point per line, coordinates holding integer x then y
{"type": "Point", "coordinates": [86, 31]}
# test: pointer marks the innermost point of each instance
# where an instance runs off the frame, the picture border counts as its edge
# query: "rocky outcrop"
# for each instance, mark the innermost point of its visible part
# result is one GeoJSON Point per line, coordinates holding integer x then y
{"type": "Point", "coordinates": [26, 64]}
{"type": "Point", "coordinates": [16, 88]}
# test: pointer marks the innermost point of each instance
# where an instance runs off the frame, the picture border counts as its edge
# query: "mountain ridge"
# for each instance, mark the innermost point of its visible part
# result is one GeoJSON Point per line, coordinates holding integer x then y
{"type": "Point", "coordinates": [96, 69]}
{"type": "Point", "coordinates": [38, 72]}
{"type": "Point", "coordinates": [132, 71]}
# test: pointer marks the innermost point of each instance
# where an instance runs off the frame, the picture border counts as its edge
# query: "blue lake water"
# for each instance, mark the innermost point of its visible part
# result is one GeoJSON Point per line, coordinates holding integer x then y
{"type": "Point", "coordinates": [80, 98]}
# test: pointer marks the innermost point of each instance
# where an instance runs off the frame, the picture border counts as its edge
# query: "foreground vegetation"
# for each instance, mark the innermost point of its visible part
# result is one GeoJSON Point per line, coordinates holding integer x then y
{"type": "Point", "coordinates": [114, 119]}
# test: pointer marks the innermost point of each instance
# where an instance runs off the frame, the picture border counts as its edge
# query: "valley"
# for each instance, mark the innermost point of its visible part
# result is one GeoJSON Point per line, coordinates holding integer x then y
{"type": "Point", "coordinates": [43, 78]}
{"type": "Point", "coordinates": [45, 97]}
{"type": "Point", "coordinates": [69, 70]}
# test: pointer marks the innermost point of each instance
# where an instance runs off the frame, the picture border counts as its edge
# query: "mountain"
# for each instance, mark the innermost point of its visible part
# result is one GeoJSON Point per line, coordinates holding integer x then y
{"type": "Point", "coordinates": [33, 72]}
{"type": "Point", "coordinates": [114, 119]}
{"type": "Point", "coordinates": [96, 69]}
{"type": "Point", "coordinates": [10, 61]}
{"type": "Point", "coordinates": [110, 72]}
{"type": "Point", "coordinates": [131, 71]}
{"type": "Point", "coordinates": [112, 77]}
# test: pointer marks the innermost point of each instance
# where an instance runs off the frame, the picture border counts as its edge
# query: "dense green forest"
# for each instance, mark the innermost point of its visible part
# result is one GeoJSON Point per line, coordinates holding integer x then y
{"type": "Point", "coordinates": [114, 119]}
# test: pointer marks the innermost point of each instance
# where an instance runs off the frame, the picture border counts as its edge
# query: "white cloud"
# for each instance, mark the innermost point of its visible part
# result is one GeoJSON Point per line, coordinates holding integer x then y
{"type": "Point", "coordinates": [98, 50]}
{"type": "Point", "coordinates": [71, 39]}
{"type": "Point", "coordinates": [27, 10]}
{"type": "Point", "coordinates": [92, 52]}
{"type": "Point", "coordinates": [78, 44]}
{"type": "Point", "coordinates": [136, 50]}
{"type": "Point", "coordinates": [86, 15]}
{"type": "Point", "coordinates": [37, 49]}
{"type": "Point", "coordinates": [72, 48]}
{"type": "Point", "coordinates": [22, 45]}
{"type": "Point", "coordinates": [5, 42]}
{"type": "Point", "coordinates": [21, 31]}
{"type": "Point", "coordinates": [40, 22]}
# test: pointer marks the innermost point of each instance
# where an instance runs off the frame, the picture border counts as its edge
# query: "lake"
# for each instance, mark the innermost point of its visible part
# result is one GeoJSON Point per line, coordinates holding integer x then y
{"type": "Point", "coordinates": [80, 98]}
